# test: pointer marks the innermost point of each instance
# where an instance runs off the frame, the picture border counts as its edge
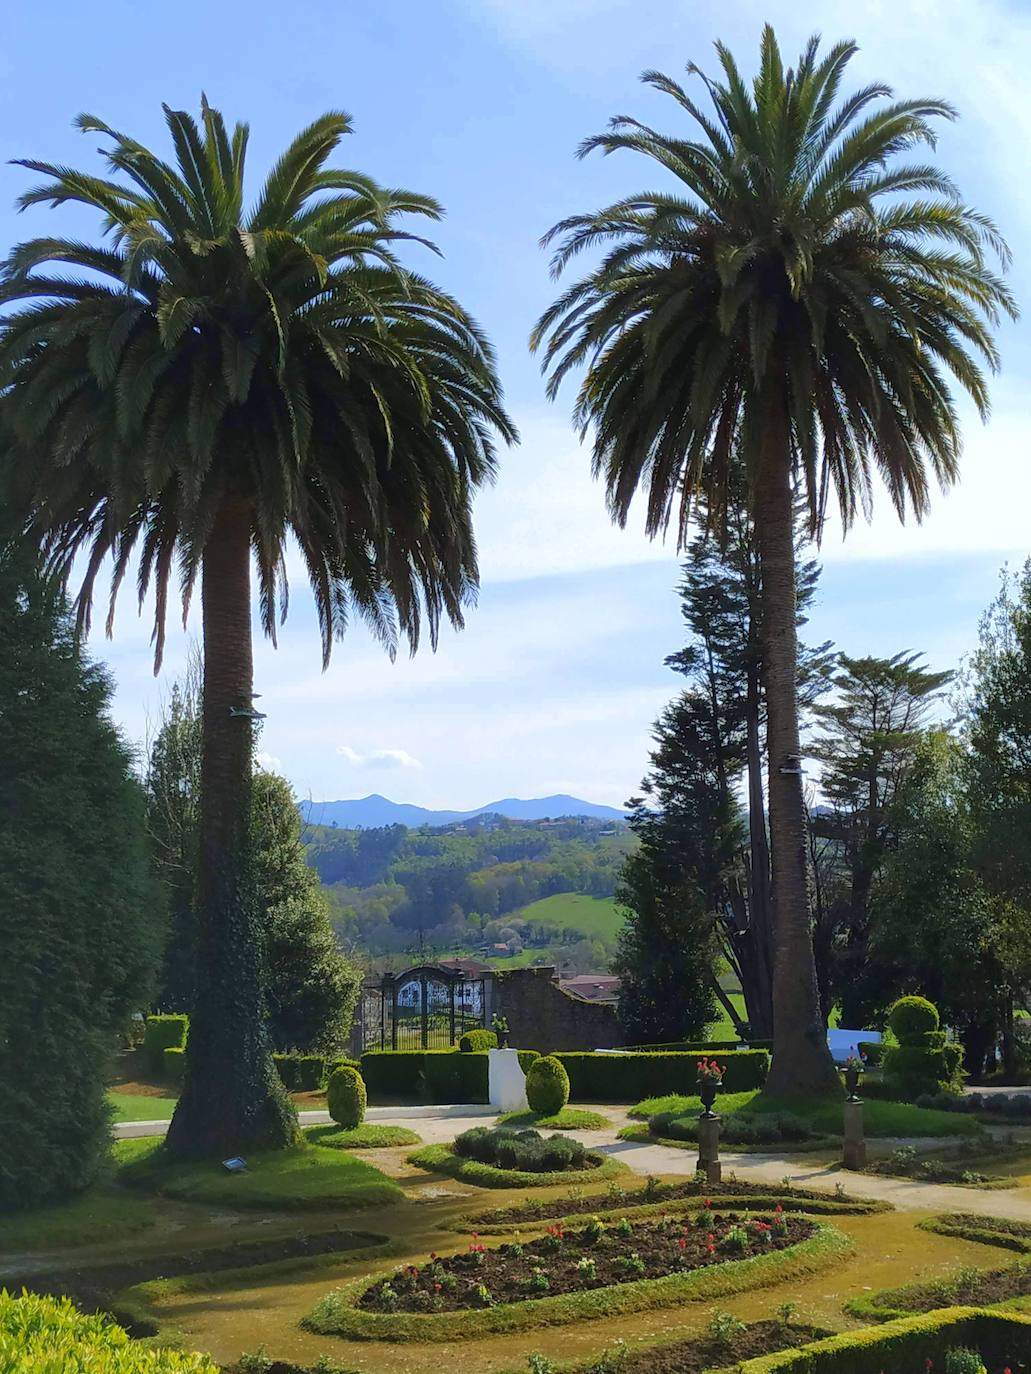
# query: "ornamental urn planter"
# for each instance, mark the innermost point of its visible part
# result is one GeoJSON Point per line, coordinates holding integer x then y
{"type": "Point", "coordinates": [852, 1083]}
{"type": "Point", "coordinates": [707, 1090]}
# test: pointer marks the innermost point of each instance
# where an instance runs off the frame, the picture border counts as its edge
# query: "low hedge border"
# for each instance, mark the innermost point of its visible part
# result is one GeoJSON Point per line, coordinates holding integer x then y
{"type": "Point", "coordinates": [430, 1076]}
{"type": "Point", "coordinates": [899, 1347]}
{"type": "Point", "coordinates": [338, 1314]}
{"type": "Point", "coordinates": [480, 1223]}
{"type": "Point", "coordinates": [999, 1231]}
{"type": "Point", "coordinates": [774, 1147]}
{"type": "Point", "coordinates": [630, 1077]}
{"type": "Point", "coordinates": [441, 1159]}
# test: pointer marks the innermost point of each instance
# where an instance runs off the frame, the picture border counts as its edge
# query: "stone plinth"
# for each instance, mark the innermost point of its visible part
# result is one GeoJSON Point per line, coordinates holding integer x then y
{"type": "Point", "coordinates": [506, 1082]}
{"type": "Point", "coordinates": [854, 1152]}
{"type": "Point", "coordinates": [709, 1148]}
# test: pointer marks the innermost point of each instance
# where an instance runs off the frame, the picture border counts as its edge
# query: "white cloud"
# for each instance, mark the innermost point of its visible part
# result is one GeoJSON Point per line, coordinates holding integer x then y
{"type": "Point", "coordinates": [378, 758]}
{"type": "Point", "coordinates": [269, 762]}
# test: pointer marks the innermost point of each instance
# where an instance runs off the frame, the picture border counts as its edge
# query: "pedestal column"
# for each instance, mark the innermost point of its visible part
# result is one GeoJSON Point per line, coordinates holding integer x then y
{"type": "Point", "coordinates": [709, 1148]}
{"type": "Point", "coordinates": [854, 1152]}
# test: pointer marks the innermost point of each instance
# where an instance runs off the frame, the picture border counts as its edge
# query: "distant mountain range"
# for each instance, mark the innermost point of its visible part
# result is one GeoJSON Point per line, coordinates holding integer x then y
{"type": "Point", "coordinates": [366, 812]}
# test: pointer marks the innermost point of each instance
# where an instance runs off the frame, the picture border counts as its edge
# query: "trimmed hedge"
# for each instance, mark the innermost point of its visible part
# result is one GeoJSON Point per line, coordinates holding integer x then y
{"type": "Point", "coordinates": [475, 1040]}
{"type": "Point", "coordinates": [526, 1058]}
{"type": "Point", "coordinates": [923, 1061]}
{"type": "Point", "coordinates": [40, 1335]}
{"type": "Point", "coordinates": [431, 1076]}
{"type": "Point", "coordinates": [872, 1052]}
{"type": "Point", "coordinates": [524, 1150]}
{"type": "Point", "coordinates": [346, 1098]}
{"type": "Point", "coordinates": [338, 1312]}
{"type": "Point", "coordinates": [166, 1031]}
{"type": "Point", "coordinates": [547, 1086]}
{"type": "Point", "coordinates": [173, 1065]}
{"type": "Point", "coordinates": [912, 1017]}
{"type": "Point", "coordinates": [900, 1347]}
{"type": "Point", "coordinates": [301, 1073]}
{"type": "Point", "coordinates": [442, 1159]}
{"type": "Point", "coordinates": [702, 1046]}
{"type": "Point", "coordinates": [597, 1077]}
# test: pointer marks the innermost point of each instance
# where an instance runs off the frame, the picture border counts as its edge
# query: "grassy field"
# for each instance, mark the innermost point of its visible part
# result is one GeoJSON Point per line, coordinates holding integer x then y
{"type": "Point", "coordinates": [140, 1106]}
{"type": "Point", "coordinates": [595, 917]}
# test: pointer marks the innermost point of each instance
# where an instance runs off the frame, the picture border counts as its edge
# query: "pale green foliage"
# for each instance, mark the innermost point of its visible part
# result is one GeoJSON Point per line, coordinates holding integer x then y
{"type": "Point", "coordinates": [43, 1335]}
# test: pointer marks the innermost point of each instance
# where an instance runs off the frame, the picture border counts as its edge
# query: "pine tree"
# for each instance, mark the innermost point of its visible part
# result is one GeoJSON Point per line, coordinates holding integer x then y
{"type": "Point", "coordinates": [79, 913]}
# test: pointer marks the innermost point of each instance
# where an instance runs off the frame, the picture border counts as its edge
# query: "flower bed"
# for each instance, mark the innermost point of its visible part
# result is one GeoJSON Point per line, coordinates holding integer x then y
{"type": "Point", "coordinates": [571, 1277]}
{"type": "Point", "coordinates": [596, 1256]}
{"type": "Point", "coordinates": [442, 1159]}
{"type": "Point", "coordinates": [655, 1196]}
{"type": "Point", "coordinates": [907, 1162]}
{"type": "Point", "coordinates": [726, 1342]}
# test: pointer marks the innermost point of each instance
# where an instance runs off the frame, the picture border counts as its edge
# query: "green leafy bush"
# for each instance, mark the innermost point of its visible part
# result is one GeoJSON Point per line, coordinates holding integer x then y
{"type": "Point", "coordinates": [912, 1017]}
{"type": "Point", "coordinates": [526, 1058]}
{"type": "Point", "coordinates": [301, 1073]}
{"type": "Point", "coordinates": [547, 1086]}
{"type": "Point", "coordinates": [346, 1097]}
{"type": "Point", "coordinates": [432, 1076]}
{"type": "Point", "coordinates": [872, 1051]}
{"type": "Point", "coordinates": [43, 1335]}
{"type": "Point", "coordinates": [173, 1061]}
{"type": "Point", "coordinates": [923, 1061]}
{"type": "Point", "coordinates": [475, 1040]}
{"type": "Point", "coordinates": [597, 1077]}
{"type": "Point", "coordinates": [527, 1151]}
{"type": "Point", "coordinates": [167, 1031]}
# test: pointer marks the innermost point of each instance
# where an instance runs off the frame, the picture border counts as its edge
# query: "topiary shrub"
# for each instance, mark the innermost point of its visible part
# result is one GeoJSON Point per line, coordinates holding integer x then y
{"type": "Point", "coordinates": [547, 1086]}
{"type": "Point", "coordinates": [923, 1061]}
{"type": "Point", "coordinates": [526, 1151]}
{"type": "Point", "coordinates": [912, 1017]}
{"type": "Point", "coordinates": [301, 1073]}
{"type": "Point", "coordinates": [167, 1031]}
{"type": "Point", "coordinates": [475, 1040]}
{"type": "Point", "coordinates": [346, 1098]}
{"type": "Point", "coordinates": [174, 1065]}
{"type": "Point", "coordinates": [526, 1058]}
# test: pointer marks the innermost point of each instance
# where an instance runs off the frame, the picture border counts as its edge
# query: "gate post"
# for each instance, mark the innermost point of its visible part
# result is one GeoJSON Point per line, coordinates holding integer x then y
{"type": "Point", "coordinates": [425, 1019]}
{"type": "Point", "coordinates": [451, 1008]}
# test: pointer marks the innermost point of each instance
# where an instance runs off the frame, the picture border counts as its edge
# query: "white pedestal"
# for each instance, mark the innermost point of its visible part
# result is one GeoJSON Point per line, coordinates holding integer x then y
{"type": "Point", "coordinates": [506, 1082]}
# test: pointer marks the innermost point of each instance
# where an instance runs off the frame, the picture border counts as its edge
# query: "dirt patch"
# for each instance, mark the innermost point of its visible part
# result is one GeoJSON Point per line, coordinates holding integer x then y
{"type": "Point", "coordinates": [709, 1352]}
{"type": "Point", "coordinates": [968, 1288]}
{"type": "Point", "coordinates": [597, 1256]}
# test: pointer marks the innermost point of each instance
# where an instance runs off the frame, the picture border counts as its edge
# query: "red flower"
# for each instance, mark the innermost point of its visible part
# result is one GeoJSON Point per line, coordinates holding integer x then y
{"type": "Point", "coordinates": [683, 1245]}
{"type": "Point", "coordinates": [928, 1364]}
{"type": "Point", "coordinates": [708, 1202]}
{"type": "Point", "coordinates": [710, 1239]}
{"type": "Point", "coordinates": [436, 1288]}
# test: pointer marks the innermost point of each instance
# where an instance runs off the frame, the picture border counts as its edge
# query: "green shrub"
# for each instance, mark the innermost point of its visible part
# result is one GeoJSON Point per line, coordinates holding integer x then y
{"type": "Point", "coordinates": [526, 1058]}
{"type": "Point", "coordinates": [173, 1065]}
{"type": "Point", "coordinates": [702, 1046]}
{"type": "Point", "coordinates": [912, 1017]}
{"type": "Point", "coordinates": [527, 1151]}
{"type": "Point", "coordinates": [301, 1073]}
{"type": "Point", "coordinates": [346, 1097]}
{"type": "Point", "coordinates": [475, 1040]}
{"type": "Point", "coordinates": [923, 1061]}
{"type": "Point", "coordinates": [597, 1077]}
{"type": "Point", "coordinates": [167, 1031]}
{"type": "Point", "coordinates": [42, 1335]}
{"type": "Point", "coordinates": [872, 1052]}
{"type": "Point", "coordinates": [432, 1076]}
{"type": "Point", "coordinates": [547, 1086]}
{"type": "Point", "coordinates": [333, 1064]}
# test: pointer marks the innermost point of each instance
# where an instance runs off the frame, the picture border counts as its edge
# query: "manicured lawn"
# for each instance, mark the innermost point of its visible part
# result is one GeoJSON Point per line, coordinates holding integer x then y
{"type": "Point", "coordinates": [568, 1119]}
{"type": "Point", "coordinates": [824, 1114]}
{"type": "Point", "coordinates": [139, 1107]}
{"type": "Point", "coordinates": [307, 1176]}
{"type": "Point", "coordinates": [364, 1137]}
{"type": "Point", "coordinates": [101, 1214]}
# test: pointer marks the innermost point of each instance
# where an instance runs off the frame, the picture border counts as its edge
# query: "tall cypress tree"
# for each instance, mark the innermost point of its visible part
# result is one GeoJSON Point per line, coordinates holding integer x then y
{"type": "Point", "coordinates": [79, 922]}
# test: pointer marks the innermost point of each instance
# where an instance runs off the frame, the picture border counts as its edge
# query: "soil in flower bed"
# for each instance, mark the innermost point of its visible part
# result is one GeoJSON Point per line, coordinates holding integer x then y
{"type": "Point", "coordinates": [1014, 1235]}
{"type": "Point", "coordinates": [571, 1261]}
{"type": "Point", "coordinates": [701, 1353]}
{"type": "Point", "coordinates": [584, 1204]}
{"type": "Point", "coordinates": [968, 1288]}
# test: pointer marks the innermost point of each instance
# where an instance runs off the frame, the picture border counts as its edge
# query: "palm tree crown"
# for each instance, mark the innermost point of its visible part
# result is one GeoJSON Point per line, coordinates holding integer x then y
{"type": "Point", "coordinates": [282, 355]}
{"type": "Point", "coordinates": [796, 255]}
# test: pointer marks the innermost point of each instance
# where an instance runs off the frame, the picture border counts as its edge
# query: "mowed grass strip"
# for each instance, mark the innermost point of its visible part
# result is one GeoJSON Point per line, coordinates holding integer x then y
{"type": "Point", "coordinates": [140, 1107]}
{"type": "Point", "coordinates": [568, 1119]}
{"type": "Point", "coordinates": [101, 1214]}
{"type": "Point", "coordinates": [306, 1176]}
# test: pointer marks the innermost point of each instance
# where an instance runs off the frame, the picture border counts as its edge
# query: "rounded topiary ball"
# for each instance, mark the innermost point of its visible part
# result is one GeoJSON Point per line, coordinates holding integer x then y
{"type": "Point", "coordinates": [911, 1018]}
{"type": "Point", "coordinates": [547, 1086]}
{"type": "Point", "coordinates": [346, 1097]}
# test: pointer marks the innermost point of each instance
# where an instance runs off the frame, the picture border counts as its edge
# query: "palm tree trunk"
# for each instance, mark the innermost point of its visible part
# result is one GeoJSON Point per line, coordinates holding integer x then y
{"type": "Point", "coordinates": [232, 1100]}
{"type": "Point", "coordinates": [801, 1060]}
{"type": "Point", "coordinates": [759, 900]}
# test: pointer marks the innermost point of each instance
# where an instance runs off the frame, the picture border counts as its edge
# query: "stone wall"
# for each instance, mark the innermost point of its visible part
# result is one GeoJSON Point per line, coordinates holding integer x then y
{"type": "Point", "coordinates": [542, 1016]}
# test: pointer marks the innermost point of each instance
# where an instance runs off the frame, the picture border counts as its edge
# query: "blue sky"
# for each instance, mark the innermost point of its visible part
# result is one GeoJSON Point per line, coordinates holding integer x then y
{"type": "Point", "coordinates": [555, 681]}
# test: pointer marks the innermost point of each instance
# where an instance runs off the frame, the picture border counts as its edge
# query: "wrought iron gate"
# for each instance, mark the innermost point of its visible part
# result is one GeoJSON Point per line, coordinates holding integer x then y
{"type": "Point", "coordinates": [427, 1007]}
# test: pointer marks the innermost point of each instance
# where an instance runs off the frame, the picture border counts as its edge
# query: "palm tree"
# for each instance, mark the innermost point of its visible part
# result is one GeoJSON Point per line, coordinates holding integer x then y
{"type": "Point", "coordinates": [200, 388]}
{"type": "Point", "coordinates": [795, 302]}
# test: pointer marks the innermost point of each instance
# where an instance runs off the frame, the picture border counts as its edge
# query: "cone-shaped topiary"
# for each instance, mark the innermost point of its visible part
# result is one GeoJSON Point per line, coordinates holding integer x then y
{"type": "Point", "coordinates": [346, 1097]}
{"type": "Point", "coordinates": [547, 1086]}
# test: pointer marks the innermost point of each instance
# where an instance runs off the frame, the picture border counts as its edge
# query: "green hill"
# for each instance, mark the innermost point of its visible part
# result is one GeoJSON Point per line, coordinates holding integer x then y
{"type": "Point", "coordinates": [595, 917]}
